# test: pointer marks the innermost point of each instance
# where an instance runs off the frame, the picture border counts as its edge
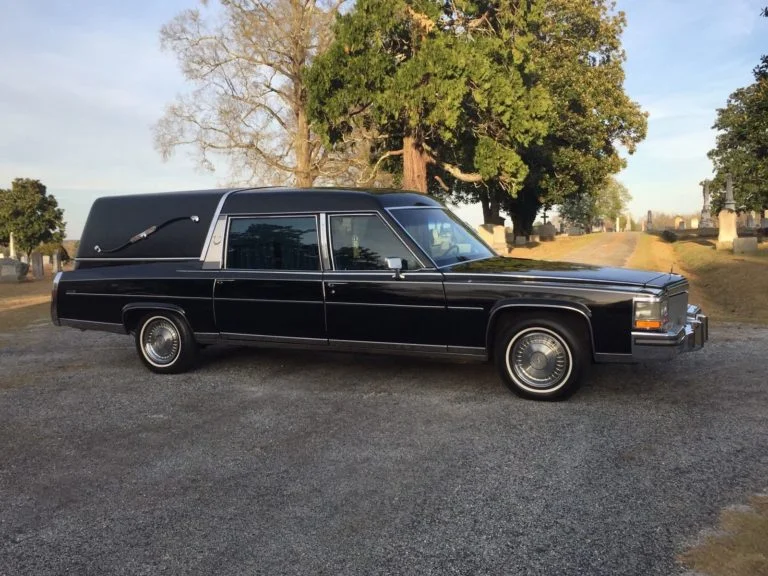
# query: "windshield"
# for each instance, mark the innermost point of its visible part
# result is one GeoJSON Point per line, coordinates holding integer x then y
{"type": "Point", "coordinates": [444, 237]}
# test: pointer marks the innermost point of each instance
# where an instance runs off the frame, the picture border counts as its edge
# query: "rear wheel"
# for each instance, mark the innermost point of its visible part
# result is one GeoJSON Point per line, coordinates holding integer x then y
{"type": "Point", "coordinates": [541, 356]}
{"type": "Point", "coordinates": [165, 343]}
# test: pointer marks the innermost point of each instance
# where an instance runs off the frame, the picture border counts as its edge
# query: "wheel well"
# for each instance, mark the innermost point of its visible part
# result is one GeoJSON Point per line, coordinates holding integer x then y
{"type": "Point", "coordinates": [575, 319]}
{"type": "Point", "coordinates": [132, 314]}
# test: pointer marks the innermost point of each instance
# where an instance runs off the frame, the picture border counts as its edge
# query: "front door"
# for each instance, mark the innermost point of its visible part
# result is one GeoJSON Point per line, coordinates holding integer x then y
{"type": "Point", "coordinates": [271, 287]}
{"type": "Point", "coordinates": [366, 303]}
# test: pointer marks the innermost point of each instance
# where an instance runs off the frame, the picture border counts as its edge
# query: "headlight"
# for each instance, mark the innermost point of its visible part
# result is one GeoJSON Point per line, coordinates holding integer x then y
{"type": "Point", "coordinates": [651, 314]}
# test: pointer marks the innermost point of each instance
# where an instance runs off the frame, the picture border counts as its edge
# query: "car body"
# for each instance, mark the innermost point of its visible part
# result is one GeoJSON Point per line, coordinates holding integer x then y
{"type": "Point", "coordinates": [352, 270]}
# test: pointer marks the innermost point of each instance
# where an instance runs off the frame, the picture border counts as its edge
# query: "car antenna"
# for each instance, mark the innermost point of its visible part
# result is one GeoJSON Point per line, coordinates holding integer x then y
{"type": "Point", "coordinates": [146, 233]}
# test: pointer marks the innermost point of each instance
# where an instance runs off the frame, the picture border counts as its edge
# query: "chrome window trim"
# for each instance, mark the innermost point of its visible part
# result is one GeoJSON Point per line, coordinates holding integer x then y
{"type": "Point", "coordinates": [214, 256]}
{"type": "Point", "coordinates": [389, 278]}
{"type": "Point", "coordinates": [54, 298]}
{"type": "Point", "coordinates": [377, 214]}
{"type": "Point", "coordinates": [230, 218]}
{"type": "Point", "coordinates": [215, 218]}
{"type": "Point", "coordinates": [324, 243]}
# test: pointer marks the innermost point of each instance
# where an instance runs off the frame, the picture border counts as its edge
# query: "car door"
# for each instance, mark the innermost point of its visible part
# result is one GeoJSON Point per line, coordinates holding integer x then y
{"type": "Point", "coordinates": [271, 286]}
{"type": "Point", "coordinates": [370, 306]}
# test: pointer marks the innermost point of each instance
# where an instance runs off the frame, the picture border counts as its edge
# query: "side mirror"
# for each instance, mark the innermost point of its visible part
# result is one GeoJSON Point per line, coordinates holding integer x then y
{"type": "Point", "coordinates": [396, 264]}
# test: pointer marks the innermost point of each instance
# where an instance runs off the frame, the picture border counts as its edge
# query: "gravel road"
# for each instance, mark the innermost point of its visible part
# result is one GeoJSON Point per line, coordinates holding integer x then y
{"type": "Point", "coordinates": [265, 462]}
{"type": "Point", "coordinates": [613, 249]}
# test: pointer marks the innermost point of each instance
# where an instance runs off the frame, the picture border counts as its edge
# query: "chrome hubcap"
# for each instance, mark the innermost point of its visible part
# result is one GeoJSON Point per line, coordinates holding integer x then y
{"type": "Point", "coordinates": [538, 359]}
{"type": "Point", "coordinates": [160, 341]}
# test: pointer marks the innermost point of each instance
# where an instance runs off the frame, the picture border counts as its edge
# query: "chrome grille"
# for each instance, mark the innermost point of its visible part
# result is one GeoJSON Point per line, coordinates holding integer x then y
{"type": "Point", "coordinates": [678, 309]}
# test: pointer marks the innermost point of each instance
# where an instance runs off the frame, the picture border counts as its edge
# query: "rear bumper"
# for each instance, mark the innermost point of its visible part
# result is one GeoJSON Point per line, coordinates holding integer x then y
{"type": "Point", "coordinates": [681, 339]}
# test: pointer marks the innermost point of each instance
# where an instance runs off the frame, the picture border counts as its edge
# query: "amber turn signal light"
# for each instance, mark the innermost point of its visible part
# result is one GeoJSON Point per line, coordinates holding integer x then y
{"type": "Point", "coordinates": [648, 324]}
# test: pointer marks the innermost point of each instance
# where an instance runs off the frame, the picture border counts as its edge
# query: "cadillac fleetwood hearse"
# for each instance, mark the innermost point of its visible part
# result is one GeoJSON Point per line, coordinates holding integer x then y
{"type": "Point", "coordinates": [353, 270]}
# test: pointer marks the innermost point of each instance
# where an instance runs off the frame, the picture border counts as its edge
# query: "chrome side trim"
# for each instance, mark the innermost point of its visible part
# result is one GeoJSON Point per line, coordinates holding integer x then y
{"type": "Point", "coordinates": [165, 259]}
{"type": "Point", "coordinates": [377, 305]}
{"type": "Point", "coordinates": [535, 306]}
{"type": "Point", "coordinates": [449, 275]}
{"type": "Point", "coordinates": [70, 293]}
{"type": "Point", "coordinates": [207, 337]}
{"type": "Point", "coordinates": [93, 325]}
{"type": "Point", "coordinates": [548, 286]}
{"type": "Point", "coordinates": [272, 338]}
{"type": "Point", "coordinates": [268, 301]}
{"type": "Point", "coordinates": [467, 308]}
{"type": "Point", "coordinates": [215, 219]}
{"type": "Point", "coordinates": [397, 346]}
{"type": "Point", "coordinates": [468, 351]}
{"type": "Point", "coordinates": [214, 256]}
{"type": "Point", "coordinates": [54, 299]}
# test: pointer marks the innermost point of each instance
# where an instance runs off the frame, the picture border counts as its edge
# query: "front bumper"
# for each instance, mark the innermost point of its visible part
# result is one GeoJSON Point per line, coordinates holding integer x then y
{"type": "Point", "coordinates": [681, 339]}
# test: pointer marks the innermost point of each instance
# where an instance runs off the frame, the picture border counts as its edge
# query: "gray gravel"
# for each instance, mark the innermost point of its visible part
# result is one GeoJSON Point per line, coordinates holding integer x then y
{"type": "Point", "coordinates": [278, 462]}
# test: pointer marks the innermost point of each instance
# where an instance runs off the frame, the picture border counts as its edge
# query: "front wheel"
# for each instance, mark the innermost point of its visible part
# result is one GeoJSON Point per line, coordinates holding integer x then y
{"type": "Point", "coordinates": [165, 343]}
{"type": "Point", "coordinates": [541, 356]}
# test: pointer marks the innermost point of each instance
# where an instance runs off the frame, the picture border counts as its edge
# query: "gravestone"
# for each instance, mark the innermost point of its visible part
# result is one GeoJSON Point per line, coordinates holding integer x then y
{"type": "Point", "coordinates": [12, 270]}
{"type": "Point", "coordinates": [11, 247]}
{"type": "Point", "coordinates": [745, 245]}
{"type": "Point", "coordinates": [706, 210]}
{"type": "Point", "coordinates": [694, 223]}
{"type": "Point", "coordinates": [750, 219]}
{"type": "Point", "coordinates": [679, 223]}
{"type": "Point", "coordinates": [521, 240]}
{"type": "Point", "coordinates": [649, 221]}
{"type": "Point", "coordinates": [38, 272]}
{"type": "Point", "coordinates": [727, 217]}
{"type": "Point", "coordinates": [495, 235]}
{"type": "Point", "coordinates": [56, 262]}
{"type": "Point", "coordinates": [547, 232]}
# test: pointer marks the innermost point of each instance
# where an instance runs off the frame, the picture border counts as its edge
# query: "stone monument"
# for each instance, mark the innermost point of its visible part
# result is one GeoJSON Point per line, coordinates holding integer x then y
{"type": "Point", "coordinates": [37, 266]}
{"type": "Point", "coordinates": [11, 270]}
{"type": "Point", "coordinates": [56, 262]}
{"type": "Point", "coordinates": [706, 210]}
{"type": "Point", "coordinates": [649, 221]}
{"type": "Point", "coordinates": [727, 217]}
{"type": "Point", "coordinates": [11, 247]}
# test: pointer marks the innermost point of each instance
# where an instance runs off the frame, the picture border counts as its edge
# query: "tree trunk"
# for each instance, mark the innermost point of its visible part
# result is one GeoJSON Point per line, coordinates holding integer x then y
{"type": "Point", "coordinates": [303, 150]}
{"type": "Point", "coordinates": [414, 166]}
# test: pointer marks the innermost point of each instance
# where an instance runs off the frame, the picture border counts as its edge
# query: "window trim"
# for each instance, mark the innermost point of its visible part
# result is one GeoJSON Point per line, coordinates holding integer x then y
{"type": "Point", "coordinates": [375, 213]}
{"type": "Point", "coordinates": [313, 215]}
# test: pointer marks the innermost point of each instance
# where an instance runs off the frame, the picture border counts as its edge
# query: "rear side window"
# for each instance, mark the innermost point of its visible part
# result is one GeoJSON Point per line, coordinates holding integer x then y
{"type": "Point", "coordinates": [272, 243]}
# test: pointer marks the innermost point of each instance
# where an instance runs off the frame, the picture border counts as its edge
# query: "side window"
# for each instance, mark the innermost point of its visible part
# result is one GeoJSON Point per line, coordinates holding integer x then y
{"type": "Point", "coordinates": [364, 243]}
{"type": "Point", "coordinates": [271, 243]}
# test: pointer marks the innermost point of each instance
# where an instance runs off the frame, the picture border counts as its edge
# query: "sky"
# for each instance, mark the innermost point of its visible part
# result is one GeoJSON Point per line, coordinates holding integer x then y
{"type": "Point", "coordinates": [82, 83]}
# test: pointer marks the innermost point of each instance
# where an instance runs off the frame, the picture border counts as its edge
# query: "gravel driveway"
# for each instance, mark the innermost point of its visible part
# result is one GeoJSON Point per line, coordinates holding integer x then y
{"type": "Point", "coordinates": [611, 249]}
{"type": "Point", "coordinates": [266, 462]}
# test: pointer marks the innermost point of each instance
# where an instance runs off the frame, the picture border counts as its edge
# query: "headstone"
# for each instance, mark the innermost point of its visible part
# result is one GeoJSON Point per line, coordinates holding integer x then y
{"type": "Point", "coordinates": [533, 238]}
{"type": "Point", "coordinates": [24, 259]}
{"type": "Point", "coordinates": [11, 270]}
{"type": "Point", "coordinates": [679, 223]}
{"type": "Point", "coordinates": [764, 220]}
{"type": "Point", "coordinates": [494, 235]}
{"type": "Point", "coordinates": [750, 219]}
{"type": "Point", "coordinates": [547, 232]}
{"type": "Point", "coordinates": [37, 266]}
{"type": "Point", "coordinates": [706, 210]}
{"type": "Point", "coordinates": [521, 240]}
{"type": "Point", "coordinates": [617, 225]}
{"type": "Point", "coordinates": [727, 217]}
{"type": "Point", "coordinates": [694, 223]}
{"type": "Point", "coordinates": [649, 221]}
{"type": "Point", "coordinates": [745, 245]}
{"type": "Point", "coordinates": [56, 262]}
{"type": "Point", "coordinates": [11, 247]}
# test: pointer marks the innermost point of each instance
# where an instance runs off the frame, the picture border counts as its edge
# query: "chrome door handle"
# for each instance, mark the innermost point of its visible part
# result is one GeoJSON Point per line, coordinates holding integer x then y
{"type": "Point", "coordinates": [222, 281]}
{"type": "Point", "coordinates": [334, 284]}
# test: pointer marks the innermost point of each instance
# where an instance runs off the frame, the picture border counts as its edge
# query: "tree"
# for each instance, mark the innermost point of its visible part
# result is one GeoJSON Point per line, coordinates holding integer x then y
{"type": "Point", "coordinates": [249, 101]}
{"type": "Point", "coordinates": [31, 214]}
{"type": "Point", "coordinates": [445, 85]}
{"type": "Point", "coordinates": [741, 147]}
{"type": "Point", "coordinates": [579, 60]}
{"type": "Point", "coordinates": [608, 202]}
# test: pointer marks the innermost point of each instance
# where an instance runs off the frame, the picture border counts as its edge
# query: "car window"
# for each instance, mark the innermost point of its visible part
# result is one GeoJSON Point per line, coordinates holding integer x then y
{"type": "Point", "coordinates": [365, 242]}
{"type": "Point", "coordinates": [272, 243]}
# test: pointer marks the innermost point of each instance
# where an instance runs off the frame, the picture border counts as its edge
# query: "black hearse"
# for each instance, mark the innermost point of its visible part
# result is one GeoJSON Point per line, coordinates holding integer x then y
{"type": "Point", "coordinates": [362, 271]}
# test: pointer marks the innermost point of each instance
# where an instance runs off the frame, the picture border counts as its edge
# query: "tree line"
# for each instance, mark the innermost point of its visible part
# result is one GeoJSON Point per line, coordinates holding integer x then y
{"type": "Point", "coordinates": [512, 104]}
{"type": "Point", "coordinates": [741, 148]}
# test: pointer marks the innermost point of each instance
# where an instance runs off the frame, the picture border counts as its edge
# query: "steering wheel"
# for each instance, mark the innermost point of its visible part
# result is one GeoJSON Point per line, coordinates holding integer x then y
{"type": "Point", "coordinates": [451, 248]}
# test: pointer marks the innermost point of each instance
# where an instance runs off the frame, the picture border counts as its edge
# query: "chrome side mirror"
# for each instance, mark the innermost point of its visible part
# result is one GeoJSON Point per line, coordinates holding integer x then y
{"type": "Point", "coordinates": [396, 264]}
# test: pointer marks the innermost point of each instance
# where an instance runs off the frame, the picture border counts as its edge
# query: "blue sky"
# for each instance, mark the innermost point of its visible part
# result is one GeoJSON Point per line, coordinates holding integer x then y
{"type": "Point", "coordinates": [82, 83]}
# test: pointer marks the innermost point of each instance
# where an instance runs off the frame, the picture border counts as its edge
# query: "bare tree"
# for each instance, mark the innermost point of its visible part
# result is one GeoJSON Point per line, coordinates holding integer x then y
{"type": "Point", "coordinates": [249, 103]}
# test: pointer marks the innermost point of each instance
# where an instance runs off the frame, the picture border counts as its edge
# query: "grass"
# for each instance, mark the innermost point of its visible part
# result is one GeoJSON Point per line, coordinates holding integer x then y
{"type": "Point", "coordinates": [559, 248]}
{"type": "Point", "coordinates": [741, 546]}
{"type": "Point", "coordinates": [730, 288]}
{"type": "Point", "coordinates": [24, 303]}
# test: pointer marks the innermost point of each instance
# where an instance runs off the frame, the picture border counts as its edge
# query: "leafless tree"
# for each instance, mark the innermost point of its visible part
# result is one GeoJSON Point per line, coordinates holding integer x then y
{"type": "Point", "coordinates": [244, 60]}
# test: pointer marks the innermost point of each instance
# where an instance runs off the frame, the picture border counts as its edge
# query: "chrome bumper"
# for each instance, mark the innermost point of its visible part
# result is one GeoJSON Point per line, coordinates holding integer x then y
{"type": "Point", "coordinates": [681, 339]}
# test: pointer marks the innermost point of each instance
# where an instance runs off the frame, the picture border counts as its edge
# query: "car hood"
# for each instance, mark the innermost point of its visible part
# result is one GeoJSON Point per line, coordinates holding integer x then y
{"type": "Point", "coordinates": [501, 267]}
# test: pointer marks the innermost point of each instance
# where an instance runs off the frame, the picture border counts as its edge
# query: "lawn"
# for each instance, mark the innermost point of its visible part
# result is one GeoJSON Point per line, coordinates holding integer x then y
{"type": "Point", "coordinates": [23, 303]}
{"type": "Point", "coordinates": [729, 287]}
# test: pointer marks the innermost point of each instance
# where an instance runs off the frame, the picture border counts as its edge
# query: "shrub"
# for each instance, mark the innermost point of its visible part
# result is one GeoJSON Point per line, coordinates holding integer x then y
{"type": "Point", "coordinates": [669, 236]}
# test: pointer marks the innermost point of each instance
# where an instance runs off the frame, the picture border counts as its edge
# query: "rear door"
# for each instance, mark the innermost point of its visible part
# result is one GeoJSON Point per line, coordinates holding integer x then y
{"type": "Point", "coordinates": [366, 304]}
{"type": "Point", "coordinates": [271, 286]}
